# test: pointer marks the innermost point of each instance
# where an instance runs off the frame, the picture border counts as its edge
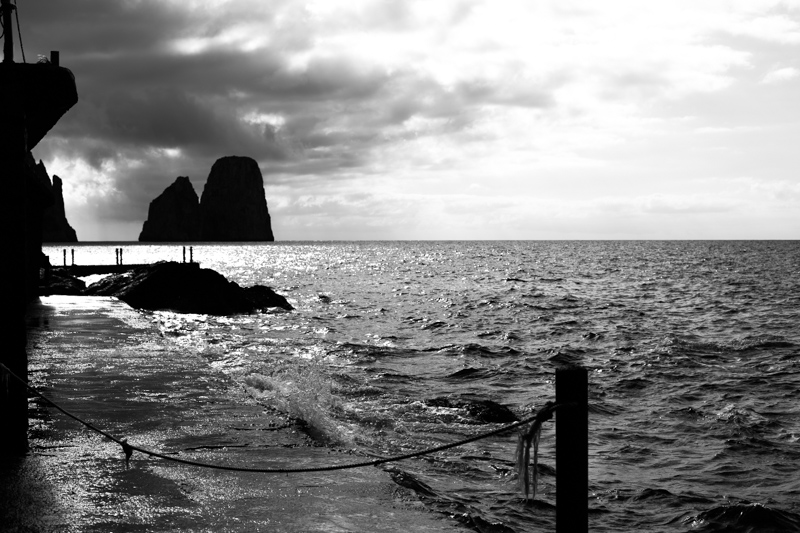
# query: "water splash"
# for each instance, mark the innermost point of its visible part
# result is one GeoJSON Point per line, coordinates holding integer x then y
{"type": "Point", "coordinates": [302, 390]}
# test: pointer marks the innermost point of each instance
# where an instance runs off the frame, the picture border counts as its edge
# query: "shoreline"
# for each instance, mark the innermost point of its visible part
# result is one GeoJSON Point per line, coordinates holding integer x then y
{"type": "Point", "coordinates": [101, 360]}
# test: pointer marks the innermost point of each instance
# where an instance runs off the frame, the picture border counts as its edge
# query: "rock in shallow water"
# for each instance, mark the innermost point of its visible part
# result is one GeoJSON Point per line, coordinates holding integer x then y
{"type": "Point", "coordinates": [485, 411]}
{"type": "Point", "coordinates": [186, 288]}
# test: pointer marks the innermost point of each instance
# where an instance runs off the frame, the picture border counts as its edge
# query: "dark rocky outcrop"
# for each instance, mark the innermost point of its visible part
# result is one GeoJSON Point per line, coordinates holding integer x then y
{"type": "Point", "coordinates": [54, 224]}
{"type": "Point", "coordinates": [185, 288]}
{"type": "Point", "coordinates": [60, 282]}
{"type": "Point", "coordinates": [233, 206]}
{"type": "Point", "coordinates": [174, 216]}
{"type": "Point", "coordinates": [483, 411]}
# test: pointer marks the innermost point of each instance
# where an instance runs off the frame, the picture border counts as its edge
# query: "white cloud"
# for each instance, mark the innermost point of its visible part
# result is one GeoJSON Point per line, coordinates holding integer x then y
{"type": "Point", "coordinates": [780, 75]}
{"type": "Point", "coordinates": [772, 28]}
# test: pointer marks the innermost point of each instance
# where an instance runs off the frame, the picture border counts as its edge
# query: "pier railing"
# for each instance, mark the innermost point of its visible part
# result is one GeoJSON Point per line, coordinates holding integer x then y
{"type": "Point", "coordinates": [118, 267]}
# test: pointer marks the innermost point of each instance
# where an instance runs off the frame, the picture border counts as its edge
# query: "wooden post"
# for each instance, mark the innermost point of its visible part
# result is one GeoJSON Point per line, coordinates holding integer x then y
{"type": "Point", "coordinates": [572, 450]}
{"type": "Point", "coordinates": [184, 254]}
{"type": "Point", "coordinates": [55, 57]}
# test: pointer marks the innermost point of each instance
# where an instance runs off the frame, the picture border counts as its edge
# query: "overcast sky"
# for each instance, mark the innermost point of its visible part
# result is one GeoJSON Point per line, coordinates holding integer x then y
{"type": "Point", "coordinates": [436, 119]}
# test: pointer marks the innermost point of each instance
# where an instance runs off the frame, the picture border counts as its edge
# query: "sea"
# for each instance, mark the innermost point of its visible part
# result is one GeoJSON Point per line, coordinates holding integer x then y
{"type": "Point", "coordinates": [692, 350]}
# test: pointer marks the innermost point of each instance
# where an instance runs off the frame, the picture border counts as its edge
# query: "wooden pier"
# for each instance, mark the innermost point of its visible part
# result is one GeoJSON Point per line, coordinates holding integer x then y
{"type": "Point", "coordinates": [117, 268]}
{"type": "Point", "coordinates": [90, 270]}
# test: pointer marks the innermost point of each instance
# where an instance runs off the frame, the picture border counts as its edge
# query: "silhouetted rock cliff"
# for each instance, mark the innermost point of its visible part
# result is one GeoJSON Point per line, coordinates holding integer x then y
{"type": "Point", "coordinates": [174, 215]}
{"type": "Point", "coordinates": [233, 206]}
{"type": "Point", "coordinates": [55, 226]}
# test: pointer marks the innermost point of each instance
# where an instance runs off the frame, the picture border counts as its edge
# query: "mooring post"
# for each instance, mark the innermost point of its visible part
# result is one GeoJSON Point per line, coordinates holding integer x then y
{"type": "Point", "coordinates": [191, 254]}
{"type": "Point", "coordinates": [72, 250]}
{"type": "Point", "coordinates": [184, 254]}
{"type": "Point", "coordinates": [55, 57]}
{"type": "Point", "coordinates": [65, 257]}
{"type": "Point", "coordinates": [572, 450]}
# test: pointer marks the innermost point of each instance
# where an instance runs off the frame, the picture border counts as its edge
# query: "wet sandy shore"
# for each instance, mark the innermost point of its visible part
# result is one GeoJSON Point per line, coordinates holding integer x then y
{"type": "Point", "coordinates": [103, 361]}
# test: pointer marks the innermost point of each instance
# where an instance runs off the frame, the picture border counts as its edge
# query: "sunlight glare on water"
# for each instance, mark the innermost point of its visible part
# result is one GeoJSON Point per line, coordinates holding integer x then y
{"type": "Point", "coordinates": [692, 349]}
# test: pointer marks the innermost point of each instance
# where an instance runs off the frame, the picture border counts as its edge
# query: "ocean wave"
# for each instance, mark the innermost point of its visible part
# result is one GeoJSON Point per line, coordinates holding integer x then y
{"type": "Point", "coordinates": [744, 518]}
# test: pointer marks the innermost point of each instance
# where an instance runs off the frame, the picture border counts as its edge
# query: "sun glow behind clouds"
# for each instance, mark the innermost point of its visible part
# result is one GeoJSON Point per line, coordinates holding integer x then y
{"type": "Point", "coordinates": [85, 182]}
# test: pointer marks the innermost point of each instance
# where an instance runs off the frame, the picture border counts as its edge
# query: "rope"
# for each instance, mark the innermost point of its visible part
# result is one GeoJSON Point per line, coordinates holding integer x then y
{"type": "Point", "coordinates": [19, 32]}
{"type": "Point", "coordinates": [545, 413]}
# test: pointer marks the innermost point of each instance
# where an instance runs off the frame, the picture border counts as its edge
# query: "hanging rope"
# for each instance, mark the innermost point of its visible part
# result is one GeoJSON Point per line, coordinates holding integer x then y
{"type": "Point", "coordinates": [528, 476]}
{"type": "Point", "coordinates": [19, 32]}
{"type": "Point", "coordinates": [545, 413]}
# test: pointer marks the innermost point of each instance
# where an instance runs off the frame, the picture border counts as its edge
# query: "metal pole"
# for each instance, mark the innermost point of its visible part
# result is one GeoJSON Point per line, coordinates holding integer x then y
{"type": "Point", "coordinates": [572, 450]}
{"type": "Point", "coordinates": [8, 31]}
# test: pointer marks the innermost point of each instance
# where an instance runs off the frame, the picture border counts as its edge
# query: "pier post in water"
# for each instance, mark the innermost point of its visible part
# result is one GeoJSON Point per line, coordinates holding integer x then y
{"type": "Point", "coordinates": [572, 450]}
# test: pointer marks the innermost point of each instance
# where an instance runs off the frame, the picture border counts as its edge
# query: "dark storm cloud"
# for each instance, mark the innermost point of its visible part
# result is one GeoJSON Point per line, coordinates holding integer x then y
{"type": "Point", "coordinates": [165, 88]}
{"type": "Point", "coordinates": [137, 91]}
{"type": "Point", "coordinates": [147, 96]}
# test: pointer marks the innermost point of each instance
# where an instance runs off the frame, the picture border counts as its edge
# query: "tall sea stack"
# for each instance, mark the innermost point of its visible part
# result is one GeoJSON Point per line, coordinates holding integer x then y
{"type": "Point", "coordinates": [55, 226]}
{"type": "Point", "coordinates": [50, 218]}
{"type": "Point", "coordinates": [233, 206]}
{"type": "Point", "coordinates": [174, 216]}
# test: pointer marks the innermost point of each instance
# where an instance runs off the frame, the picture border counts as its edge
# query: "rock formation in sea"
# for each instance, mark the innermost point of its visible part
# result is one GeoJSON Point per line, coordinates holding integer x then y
{"type": "Point", "coordinates": [233, 206]}
{"type": "Point", "coordinates": [186, 288]}
{"type": "Point", "coordinates": [55, 226]}
{"type": "Point", "coordinates": [174, 216]}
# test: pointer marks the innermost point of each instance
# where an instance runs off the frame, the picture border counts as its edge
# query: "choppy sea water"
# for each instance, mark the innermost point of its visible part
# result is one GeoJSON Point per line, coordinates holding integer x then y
{"type": "Point", "coordinates": [693, 350]}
